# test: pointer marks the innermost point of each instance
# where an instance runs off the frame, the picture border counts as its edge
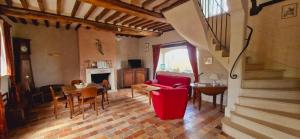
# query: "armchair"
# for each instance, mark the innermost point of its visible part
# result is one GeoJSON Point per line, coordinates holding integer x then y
{"type": "Point", "coordinates": [170, 103]}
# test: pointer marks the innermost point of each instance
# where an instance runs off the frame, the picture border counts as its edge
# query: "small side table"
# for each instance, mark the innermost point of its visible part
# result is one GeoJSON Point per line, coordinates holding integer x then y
{"type": "Point", "coordinates": [210, 90]}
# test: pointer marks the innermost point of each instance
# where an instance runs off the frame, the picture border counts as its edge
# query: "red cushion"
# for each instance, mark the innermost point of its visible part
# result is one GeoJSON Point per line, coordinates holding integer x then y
{"type": "Point", "coordinates": [170, 80]}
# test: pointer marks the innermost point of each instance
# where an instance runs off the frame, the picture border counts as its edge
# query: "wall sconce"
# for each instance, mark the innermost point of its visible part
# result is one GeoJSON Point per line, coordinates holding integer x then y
{"type": "Point", "coordinates": [54, 54]}
{"type": "Point", "coordinates": [209, 61]}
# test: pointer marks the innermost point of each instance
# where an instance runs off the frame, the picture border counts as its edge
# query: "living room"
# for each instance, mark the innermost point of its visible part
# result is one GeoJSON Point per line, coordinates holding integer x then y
{"type": "Point", "coordinates": [149, 69]}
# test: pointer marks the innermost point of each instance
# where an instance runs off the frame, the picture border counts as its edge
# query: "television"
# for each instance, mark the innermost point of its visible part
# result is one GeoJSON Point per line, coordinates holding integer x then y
{"type": "Point", "coordinates": [135, 63]}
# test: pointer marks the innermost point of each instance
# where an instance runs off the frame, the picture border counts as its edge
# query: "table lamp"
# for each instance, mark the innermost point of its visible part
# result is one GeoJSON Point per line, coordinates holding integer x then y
{"type": "Point", "coordinates": [214, 77]}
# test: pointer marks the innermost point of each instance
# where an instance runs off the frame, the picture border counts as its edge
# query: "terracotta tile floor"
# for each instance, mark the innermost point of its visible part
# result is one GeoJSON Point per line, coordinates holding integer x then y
{"type": "Point", "coordinates": [124, 117]}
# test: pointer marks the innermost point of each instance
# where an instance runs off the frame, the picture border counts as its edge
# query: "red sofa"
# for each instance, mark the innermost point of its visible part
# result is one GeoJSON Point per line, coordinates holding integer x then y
{"type": "Point", "coordinates": [171, 100]}
{"type": "Point", "coordinates": [170, 103]}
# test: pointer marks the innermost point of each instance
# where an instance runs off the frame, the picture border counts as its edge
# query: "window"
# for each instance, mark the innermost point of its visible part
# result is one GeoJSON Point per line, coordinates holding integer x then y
{"type": "Point", "coordinates": [3, 66]}
{"type": "Point", "coordinates": [174, 59]}
{"type": "Point", "coordinates": [214, 7]}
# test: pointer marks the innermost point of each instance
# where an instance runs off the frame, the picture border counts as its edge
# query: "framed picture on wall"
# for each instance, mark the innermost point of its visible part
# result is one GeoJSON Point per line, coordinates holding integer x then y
{"type": "Point", "coordinates": [147, 47]}
{"type": "Point", "coordinates": [289, 11]}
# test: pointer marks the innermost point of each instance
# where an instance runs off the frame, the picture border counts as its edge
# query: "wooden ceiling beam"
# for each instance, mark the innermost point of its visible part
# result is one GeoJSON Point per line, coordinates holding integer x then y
{"type": "Point", "coordinates": [121, 18]}
{"type": "Point", "coordinates": [112, 17]}
{"type": "Point", "coordinates": [31, 14]}
{"type": "Point", "coordinates": [24, 4]}
{"type": "Point", "coordinates": [35, 22]}
{"type": "Point", "coordinates": [137, 22]}
{"type": "Point", "coordinates": [123, 7]}
{"type": "Point", "coordinates": [155, 25]}
{"type": "Point", "coordinates": [75, 8]}
{"type": "Point", "coordinates": [142, 23]}
{"type": "Point", "coordinates": [102, 14]}
{"type": "Point", "coordinates": [15, 20]}
{"type": "Point", "coordinates": [46, 23]}
{"type": "Point", "coordinates": [58, 7]}
{"type": "Point", "coordinates": [177, 3]}
{"type": "Point", "coordinates": [168, 29]}
{"type": "Point", "coordinates": [77, 27]}
{"type": "Point", "coordinates": [155, 8]}
{"type": "Point", "coordinates": [147, 3]}
{"type": "Point", "coordinates": [91, 10]}
{"type": "Point", "coordinates": [41, 5]}
{"type": "Point", "coordinates": [149, 24]}
{"type": "Point", "coordinates": [130, 20]}
{"type": "Point", "coordinates": [161, 27]}
{"type": "Point", "coordinates": [9, 3]}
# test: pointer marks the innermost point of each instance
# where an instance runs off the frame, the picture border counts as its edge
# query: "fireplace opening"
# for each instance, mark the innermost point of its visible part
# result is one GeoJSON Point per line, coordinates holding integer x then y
{"type": "Point", "coordinates": [98, 78]}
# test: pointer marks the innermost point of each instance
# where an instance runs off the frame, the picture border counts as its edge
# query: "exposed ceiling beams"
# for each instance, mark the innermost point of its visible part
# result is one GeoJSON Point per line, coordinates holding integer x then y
{"type": "Point", "coordinates": [102, 14]}
{"type": "Point", "coordinates": [75, 8]}
{"type": "Point", "coordinates": [24, 4]}
{"type": "Point", "coordinates": [31, 14]}
{"type": "Point", "coordinates": [91, 10]}
{"type": "Point", "coordinates": [58, 7]}
{"type": "Point", "coordinates": [121, 19]}
{"type": "Point", "coordinates": [113, 16]}
{"type": "Point", "coordinates": [147, 3]}
{"type": "Point", "coordinates": [127, 8]}
{"type": "Point", "coordinates": [41, 5]}
{"type": "Point", "coordinates": [136, 17]}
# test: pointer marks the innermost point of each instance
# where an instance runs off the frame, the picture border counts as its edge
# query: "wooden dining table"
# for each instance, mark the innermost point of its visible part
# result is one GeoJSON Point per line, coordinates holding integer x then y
{"type": "Point", "coordinates": [71, 91]}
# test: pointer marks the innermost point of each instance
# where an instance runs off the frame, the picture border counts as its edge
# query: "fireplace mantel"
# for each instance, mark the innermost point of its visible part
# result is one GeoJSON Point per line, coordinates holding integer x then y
{"type": "Point", "coordinates": [111, 77]}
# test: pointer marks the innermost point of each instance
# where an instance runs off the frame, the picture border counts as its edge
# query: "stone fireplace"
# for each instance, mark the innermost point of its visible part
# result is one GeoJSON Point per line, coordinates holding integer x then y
{"type": "Point", "coordinates": [97, 75]}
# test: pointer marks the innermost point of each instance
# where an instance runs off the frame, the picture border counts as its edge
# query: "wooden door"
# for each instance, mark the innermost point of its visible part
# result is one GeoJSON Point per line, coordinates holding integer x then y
{"type": "Point", "coordinates": [140, 76]}
{"type": "Point", "coordinates": [128, 77]}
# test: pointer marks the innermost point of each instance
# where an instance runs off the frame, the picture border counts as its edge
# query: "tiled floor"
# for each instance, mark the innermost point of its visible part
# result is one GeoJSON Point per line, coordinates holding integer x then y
{"type": "Point", "coordinates": [124, 117]}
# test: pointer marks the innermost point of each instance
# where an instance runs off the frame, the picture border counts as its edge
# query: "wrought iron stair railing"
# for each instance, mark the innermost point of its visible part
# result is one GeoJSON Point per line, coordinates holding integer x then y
{"type": "Point", "coordinates": [218, 21]}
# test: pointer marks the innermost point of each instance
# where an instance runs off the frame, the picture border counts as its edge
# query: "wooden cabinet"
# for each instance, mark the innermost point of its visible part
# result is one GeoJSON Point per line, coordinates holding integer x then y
{"type": "Point", "coordinates": [128, 77]}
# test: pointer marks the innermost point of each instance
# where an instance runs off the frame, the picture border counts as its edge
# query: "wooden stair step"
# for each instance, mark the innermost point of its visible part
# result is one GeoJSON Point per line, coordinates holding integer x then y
{"type": "Point", "coordinates": [288, 120]}
{"type": "Point", "coordinates": [264, 74]}
{"type": "Point", "coordinates": [290, 94]}
{"type": "Point", "coordinates": [254, 66]}
{"type": "Point", "coordinates": [266, 128]}
{"type": "Point", "coordinates": [240, 132]}
{"type": "Point", "coordinates": [271, 83]}
{"type": "Point", "coordinates": [283, 105]}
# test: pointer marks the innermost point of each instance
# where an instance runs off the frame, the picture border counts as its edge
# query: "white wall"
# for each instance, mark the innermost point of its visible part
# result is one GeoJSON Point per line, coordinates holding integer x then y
{"type": "Point", "coordinates": [127, 48]}
{"type": "Point", "coordinates": [47, 69]}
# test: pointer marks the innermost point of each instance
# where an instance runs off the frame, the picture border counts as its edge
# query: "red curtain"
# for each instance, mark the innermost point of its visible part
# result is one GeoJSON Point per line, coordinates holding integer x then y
{"type": "Point", "coordinates": [156, 52]}
{"type": "Point", "coordinates": [193, 59]}
{"type": "Point", "coordinates": [8, 49]}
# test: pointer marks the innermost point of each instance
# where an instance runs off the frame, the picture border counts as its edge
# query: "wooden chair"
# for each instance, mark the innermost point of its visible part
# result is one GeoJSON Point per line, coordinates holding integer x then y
{"type": "Point", "coordinates": [106, 86]}
{"type": "Point", "coordinates": [88, 95]}
{"type": "Point", "coordinates": [76, 82]}
{"type": "Point", "coordinates": [57, 98]}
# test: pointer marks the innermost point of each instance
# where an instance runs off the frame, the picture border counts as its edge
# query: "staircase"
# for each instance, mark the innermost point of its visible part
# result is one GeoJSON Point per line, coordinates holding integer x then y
{"type": "Point", "coordinates": [268, 106]}
{"type": "Point", "coordinates": [210, 32]}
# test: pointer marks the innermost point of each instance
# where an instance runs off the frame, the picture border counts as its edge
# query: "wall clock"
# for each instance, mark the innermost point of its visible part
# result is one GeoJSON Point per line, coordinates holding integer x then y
{"type": "Point", "coordinates": [24, 49]}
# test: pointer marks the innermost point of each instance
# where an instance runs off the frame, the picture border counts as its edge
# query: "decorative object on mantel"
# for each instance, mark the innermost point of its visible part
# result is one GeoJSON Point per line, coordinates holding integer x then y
{"type": "Point", "coordinates": [99, 46]}
{"type": "Point", "coordinates": [289, 11]}
{"type": "Point", "coordinates": [104, 64]}
{"type": "Point", "coordinates": [88, 63]}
